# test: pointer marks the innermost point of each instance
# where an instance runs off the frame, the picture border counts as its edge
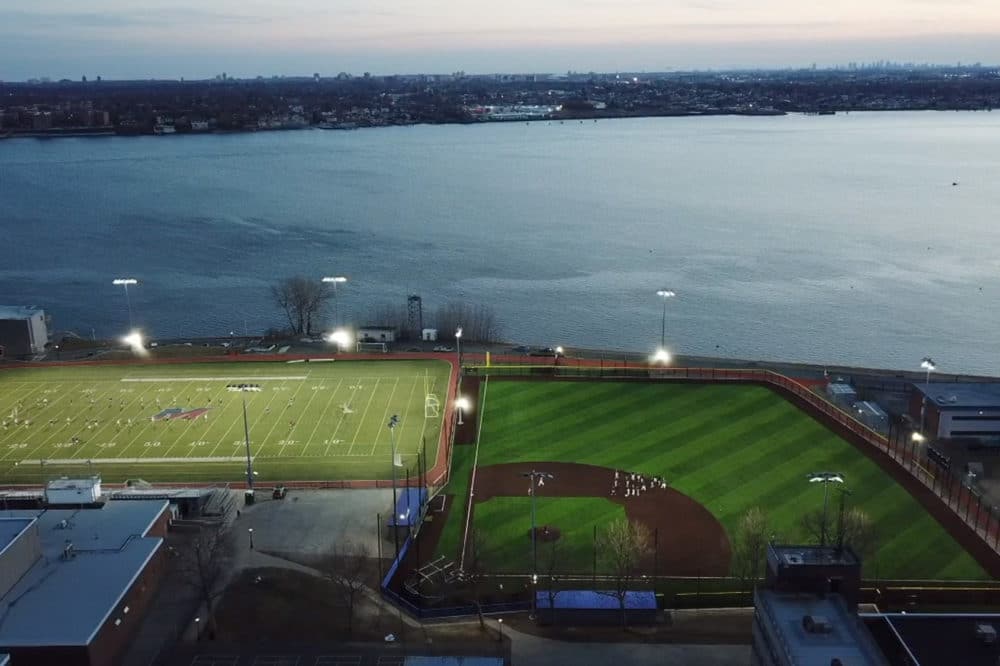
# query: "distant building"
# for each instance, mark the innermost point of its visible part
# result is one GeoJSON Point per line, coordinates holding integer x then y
{"type": "Point", "coordinates": [74, 584]}
{"type": "Point", "coordinates": [23, 331]}
{"type": "Point", "coordinates": [73, 492]}
{"type": "Point", "coordinates": [968, 410]}
{"type": "Point", "coordinates": [376, 334]}
{"type": "Point", "coordinates": [806, 613]}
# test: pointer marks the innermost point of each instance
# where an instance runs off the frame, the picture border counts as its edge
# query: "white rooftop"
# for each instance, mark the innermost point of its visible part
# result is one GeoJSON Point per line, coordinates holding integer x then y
{"type": "Point", "coordinates": [65, 601]}
{"type": "Point", "coordinates": [18, 311]}
{"type": "Point", "coordinates": [73, 484]}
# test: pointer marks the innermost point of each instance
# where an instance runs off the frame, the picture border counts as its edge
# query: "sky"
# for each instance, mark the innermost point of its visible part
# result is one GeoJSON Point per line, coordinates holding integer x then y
{"type": "Point", "coordinates": [245, 38]}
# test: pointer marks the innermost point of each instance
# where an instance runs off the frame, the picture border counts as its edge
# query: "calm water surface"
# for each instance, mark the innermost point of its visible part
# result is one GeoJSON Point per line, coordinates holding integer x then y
{"type": "Point", "coordinates": [829, 239]}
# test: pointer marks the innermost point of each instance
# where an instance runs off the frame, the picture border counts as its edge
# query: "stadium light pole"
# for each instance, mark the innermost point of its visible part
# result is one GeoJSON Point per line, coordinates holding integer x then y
{"type": "Point", "coordinates": [458, 346]}
{"type": "Point", "coordinates": [125, 282]}
{"type": "Point", "coordinates": [393, 422]}
{"type": "Point", "coordinates": [666, 295]}
{"type": "Point", "coordinates": [461, 405]}
{"type": "Point", "coordinates": [927, 364]}
{"type": "Point", "coordinates": [826, 478]}
{"type": "Point", "coordinates": [244, 389]}
{"type": "Point", "coordinates": [335, 280]}
{"type": "Point", "coordinates": [537, 478]}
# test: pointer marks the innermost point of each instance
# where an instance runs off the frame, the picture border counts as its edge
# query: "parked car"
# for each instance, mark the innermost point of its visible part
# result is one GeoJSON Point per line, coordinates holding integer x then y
{"type": "Point", "coordinates": [443, 348]}
{"type": "Point", "coordinates": [414, 349]}
{"type": "Point", "coordinates": [521, 350]}
{"type": "Point", "coordinates": [545, 351]}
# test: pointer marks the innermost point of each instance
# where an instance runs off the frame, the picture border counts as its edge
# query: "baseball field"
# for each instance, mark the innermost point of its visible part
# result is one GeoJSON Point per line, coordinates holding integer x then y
{"type": "Point", "coordinates": [688, 460]}
{"type": "Point", "coordinates": [184, 422]}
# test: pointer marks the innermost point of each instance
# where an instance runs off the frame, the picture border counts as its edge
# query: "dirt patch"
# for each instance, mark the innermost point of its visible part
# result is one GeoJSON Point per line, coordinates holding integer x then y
{"type": "Point", "coordinates": [690, 541]}
{"type": "Point", "coordinates": [546, 534]}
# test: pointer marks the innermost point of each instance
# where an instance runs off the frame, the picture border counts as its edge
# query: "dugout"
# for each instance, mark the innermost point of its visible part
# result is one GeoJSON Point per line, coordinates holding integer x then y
{"type": "Point", "coordinates": [409, 509]}
{"type": "Point", "coordinates": [595, 607]}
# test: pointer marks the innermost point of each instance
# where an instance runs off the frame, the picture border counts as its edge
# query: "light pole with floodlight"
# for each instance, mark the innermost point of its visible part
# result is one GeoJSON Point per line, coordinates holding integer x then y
{"type": "Point", "coordinates": [243, 390]}
{"type": "Point", "coordinates": [537, 478]}
{"type": "Point", "coordinates": [125, 282]}
{"type": "Point", "coordinates": [458, 346]}
{"type": "Point", "coordinates": [826, 478]}
{"type": "Point", "coordinates": [250, 532]}
{"type": "Point", "coordinates": [461, 405]}
{"type": "Point", "coordinates": [928, 364]}
{"type": "Point", "coordinates": [335, 280]}
{"type": "Point", "coordinates": [393, 422]}
{"type": "Point", "coordinates": [666, 295]}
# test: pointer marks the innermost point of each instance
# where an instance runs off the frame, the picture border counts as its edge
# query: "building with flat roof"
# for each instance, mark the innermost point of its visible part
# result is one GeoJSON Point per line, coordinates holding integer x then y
{"type": "Point", "coordinates": [927, 639]}
{"type": "Point", "coordinates": [792, 628]}
{"type": "Point", "coordinates": [24, 331]}
{"type": "Point", "coordinates": [74, 583]}
{"type": "Point", "coordinates": [962, 410]}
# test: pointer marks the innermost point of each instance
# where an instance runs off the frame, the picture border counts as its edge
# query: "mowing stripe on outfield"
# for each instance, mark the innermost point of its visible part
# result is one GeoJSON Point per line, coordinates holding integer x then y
{"type": "Point", "coordinates": [213, 379]}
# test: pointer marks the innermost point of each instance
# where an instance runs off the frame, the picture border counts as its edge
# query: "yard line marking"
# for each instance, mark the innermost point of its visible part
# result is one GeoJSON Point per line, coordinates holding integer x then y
{"type": "Point", "coordinates": [239, 419]}
{"type": "Point", "coordinates": [305, 411]}
{"type": "Point", "coordinates": [129, 405]}
{"type": "Point", "coordinates": [22, 430]}
{"type": "Point", "coordinates": [213, 379]}
{"type": "Point", "coordinates": [326, 409]}
{"type": "Point", "coordinates": [18, 430]}
{"type": "Point", "coordinates": [275, 425]}
{"type": "Point", "coordinates": [146, 427]}
{"type": "Point", "coordinates": [354, 392]}
{"type": "Point", "coordinates": [385, 419]}
{"type": "Point", "coordinates": [363, 416]}
{"type": "Point", "coordinates": [112, 461]}
{"type": "Point", "coordinates": [183, 435]}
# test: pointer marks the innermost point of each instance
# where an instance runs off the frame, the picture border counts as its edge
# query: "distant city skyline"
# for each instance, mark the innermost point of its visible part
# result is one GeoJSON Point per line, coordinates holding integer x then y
{"type": "Point", "coordinates": [245, 38]}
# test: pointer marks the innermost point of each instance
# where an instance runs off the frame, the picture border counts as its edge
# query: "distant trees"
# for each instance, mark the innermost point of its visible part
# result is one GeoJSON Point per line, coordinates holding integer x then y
{"type": "Point", "coordinates": [623, 545]}
{"type": "Point", "coordinates": [349, 570]}
{"type": "Point", "coordinates": [302, 301]}
{"type": "Point", "coordinates": [479, 322]}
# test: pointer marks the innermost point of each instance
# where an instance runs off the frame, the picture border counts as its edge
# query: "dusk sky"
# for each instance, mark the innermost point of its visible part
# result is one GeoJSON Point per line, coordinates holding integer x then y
{"type": "Point", "coordinates": [175, 38]}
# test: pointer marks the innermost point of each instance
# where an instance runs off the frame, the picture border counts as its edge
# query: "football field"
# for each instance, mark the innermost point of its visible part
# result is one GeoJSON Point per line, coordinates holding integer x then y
{"type": "Point", "coordinates": [312, 421]}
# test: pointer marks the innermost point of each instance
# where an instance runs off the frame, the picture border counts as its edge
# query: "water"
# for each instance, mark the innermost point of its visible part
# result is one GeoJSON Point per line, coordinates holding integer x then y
{"type": "Point", "coordinates": [827, 239]}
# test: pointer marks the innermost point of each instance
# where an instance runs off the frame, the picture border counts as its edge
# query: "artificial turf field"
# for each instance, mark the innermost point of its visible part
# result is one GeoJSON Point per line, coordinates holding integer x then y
{"type": "Point", "coordinates": [183, 422]}
{"type": "Point", "coordinates": [729, 447]}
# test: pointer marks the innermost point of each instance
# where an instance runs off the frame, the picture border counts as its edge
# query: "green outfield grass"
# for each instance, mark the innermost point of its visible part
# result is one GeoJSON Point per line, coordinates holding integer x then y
{"type": "Point", "coordinates": [309, 421]}
{"type": "Point", "coordinates": [506, 536]}
{"type": "Point", "coordinates": [730, 447]}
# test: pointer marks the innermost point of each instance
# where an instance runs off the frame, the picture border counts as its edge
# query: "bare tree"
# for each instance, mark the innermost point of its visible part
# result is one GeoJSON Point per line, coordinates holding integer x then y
{"type": "Point", "coordinates": [204, 560]}
{"type": "Point", "coordinates": [391, 315]}
{"type": "Point", "coordinates": [348, 569]}
{"type": "Point", "coordinates": [813, 527]}
{"type": "Point", "coordinates": [302, 301]}
{"type": "Point", "coordinates": [552, 560]}
{"type": "Point", "coordinates": [750, 549]}
{"type": "Point", "coordinates": [858, 532]}
{"type": "Point", "coordinates": [624, 545]}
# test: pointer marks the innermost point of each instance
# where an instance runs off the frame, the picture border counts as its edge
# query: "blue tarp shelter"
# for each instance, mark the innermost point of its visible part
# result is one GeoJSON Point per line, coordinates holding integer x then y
{"type": "Point", "coordinates": [409, 507]}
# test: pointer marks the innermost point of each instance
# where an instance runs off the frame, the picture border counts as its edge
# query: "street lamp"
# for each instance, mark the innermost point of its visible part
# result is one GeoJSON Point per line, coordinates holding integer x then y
{"type": "Point", "coordinates": [500, 622]}
{"type": "Point", "coordinates": [135, 342]}
{"type": "Point", "coordinates": [928, 364]}
{"type": "Point", "coordinates": [661, 356]}
{"type": "Point", "coordinates": [250, 531]}
{"type": "Point", "coordinates": [666, 295]}
{"type": "Point", "coordinates": [826, 478]}
{"type": "Point", "coordinates": [458, 346]}
{"type": "Point", "coordinates": [461, 405]}
{"type": "Point", "coordinates": [335, 280]}
{"type": "Point", "coordinates": [537, 479]}
{"type": "Point", "coordinates": [125, 282]}
{"type": "Point", "coordinates": [560, 351]}
{"type": "Point", "coordinates": [393, 422]}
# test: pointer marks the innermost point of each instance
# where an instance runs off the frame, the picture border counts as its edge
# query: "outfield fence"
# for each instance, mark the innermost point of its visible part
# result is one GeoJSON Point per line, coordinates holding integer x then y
{"type": "Point", "coordinates": [962, 510]}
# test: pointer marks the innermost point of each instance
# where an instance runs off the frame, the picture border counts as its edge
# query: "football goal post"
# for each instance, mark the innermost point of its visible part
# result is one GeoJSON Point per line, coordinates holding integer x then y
{"type": "Point", "coordinates": [372, 347]}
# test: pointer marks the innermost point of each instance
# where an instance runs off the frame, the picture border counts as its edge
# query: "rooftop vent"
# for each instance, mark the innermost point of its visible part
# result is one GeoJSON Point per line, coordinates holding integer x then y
{"type": "Point", "coordinates": [816, 624]}
{"type": "Point", "coordinates": [68, 552]}
{"type": "Point", "coordinates": [794, 558]}
{"type": "Point", "coordinates": [986, 634]}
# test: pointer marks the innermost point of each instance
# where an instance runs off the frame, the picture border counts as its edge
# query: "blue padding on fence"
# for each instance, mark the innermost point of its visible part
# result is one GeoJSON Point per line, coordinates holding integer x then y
{"type": "Point", "coordinates": [596, 600]}
{"type": "Point", "coordinates": [409, 504]}
{"type": "Point", "coordinates": [395, 563]}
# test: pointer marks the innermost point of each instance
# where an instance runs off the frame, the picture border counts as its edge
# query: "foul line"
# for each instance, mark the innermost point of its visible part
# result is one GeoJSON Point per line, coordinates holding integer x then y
{"type": "Point", "coordinates": [211, 379]}
{"type": "Point", "coordinates": [475, 466]}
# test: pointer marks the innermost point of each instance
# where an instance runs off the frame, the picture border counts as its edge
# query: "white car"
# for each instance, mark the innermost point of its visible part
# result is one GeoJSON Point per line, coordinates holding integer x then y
{"type": "Point", "coordinates": [443, 348]}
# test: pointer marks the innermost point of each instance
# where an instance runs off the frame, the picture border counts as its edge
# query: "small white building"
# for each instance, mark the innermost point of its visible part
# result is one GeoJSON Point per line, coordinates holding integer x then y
{"type": "Point", "coordinates": [73, 491]}
{"type": "Point", "coordinates": [429, 335]}
{"type": "Point", "coordinates": [24, 331]}
{"type": "Point", "coordinates": [376, 334]}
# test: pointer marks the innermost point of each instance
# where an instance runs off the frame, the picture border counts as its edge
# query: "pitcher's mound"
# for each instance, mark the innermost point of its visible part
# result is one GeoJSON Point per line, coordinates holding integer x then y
{"type": "Point", "coordinates": [546, 533]}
